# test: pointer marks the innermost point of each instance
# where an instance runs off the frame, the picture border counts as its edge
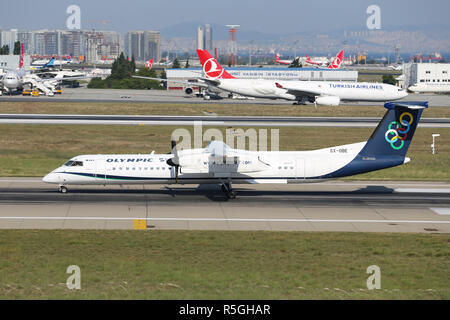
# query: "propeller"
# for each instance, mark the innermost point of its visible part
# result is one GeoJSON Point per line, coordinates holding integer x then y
{"type": "Point", "coordinates": [174, 162]}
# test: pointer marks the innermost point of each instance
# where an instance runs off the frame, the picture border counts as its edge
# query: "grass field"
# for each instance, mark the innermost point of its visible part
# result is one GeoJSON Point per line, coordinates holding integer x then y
{"type": "Point", "coordinates": [222, 265]}
{"type": "Point", "coordinates": [201, 109]}
{"type": "Point", "coordinates": [34, 150]}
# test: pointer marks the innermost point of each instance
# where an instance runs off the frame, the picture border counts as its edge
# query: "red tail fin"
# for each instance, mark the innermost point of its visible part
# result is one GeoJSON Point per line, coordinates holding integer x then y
{"type": "Point", "coordinates": [149, 64]}
{"type": "Point", "coordinates": [211, 67]}
{"type": "Point", "coordinates": [336, 63]}
{"type": "Point", "coordinates": [21, 56]}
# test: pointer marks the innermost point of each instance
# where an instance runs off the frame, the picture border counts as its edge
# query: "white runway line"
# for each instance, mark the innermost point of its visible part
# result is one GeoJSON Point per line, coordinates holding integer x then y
{"type": "Point", "coordinates": [442, 211]}
{"type": "Point", "coordinates": [225, 220]}
{"type": "Point", "coordinates": [413, 190]}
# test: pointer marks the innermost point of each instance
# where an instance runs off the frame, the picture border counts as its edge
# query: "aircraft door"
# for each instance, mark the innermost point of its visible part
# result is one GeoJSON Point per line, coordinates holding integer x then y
{"type": "Point", "coordinates": [300, 169]}
{"type": "Point", "coordinates": [100, 169]}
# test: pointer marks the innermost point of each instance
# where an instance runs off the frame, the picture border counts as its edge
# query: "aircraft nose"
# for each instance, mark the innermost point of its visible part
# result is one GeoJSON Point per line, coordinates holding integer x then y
{"type": "Point", "coordinates": [51, 178]}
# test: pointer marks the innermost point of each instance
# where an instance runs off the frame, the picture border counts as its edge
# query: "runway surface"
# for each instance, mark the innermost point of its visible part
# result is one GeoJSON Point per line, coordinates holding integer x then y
{"type": "Point", "coordinates": [83, 94]}
{"type": "Point", "coordinates": [208, 120]}
{"type": "Point", "coordinates": [27, 203]}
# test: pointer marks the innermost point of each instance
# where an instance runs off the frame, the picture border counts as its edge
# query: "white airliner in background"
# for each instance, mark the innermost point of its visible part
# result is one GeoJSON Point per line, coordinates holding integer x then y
{"type": "Point", "coordinates": [317, 92]}
{"type": "Point", "coordinates": [220, 164]}
{"type": "Point", "coordinates": [52, 62]}
{"type": "Point", "coordinates": [335, 64]}
{"type": "Point", "coordinates": [285, 62]}
{"type": "Point", "coordinates": [14, 80]}
{"type": "Point", "coordinates": [429, 87]}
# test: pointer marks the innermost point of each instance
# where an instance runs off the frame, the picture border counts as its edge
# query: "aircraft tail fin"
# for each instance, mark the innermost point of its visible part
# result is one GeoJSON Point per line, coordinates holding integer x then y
{"type": "Point", "coordinates": [389, 143]}
{"type": "Point", "coordinates": [336, 63]}
{"type": "Point", "coordinates": [211, 68]}
{"type": "Point", "coordinates": [395, 131]}
{"type": "Point", "coordinates": [51, 62]}
{"type": "Point", "coordinates": [149, 64]}
{"type": "Point", "coordinates": [21, 56]}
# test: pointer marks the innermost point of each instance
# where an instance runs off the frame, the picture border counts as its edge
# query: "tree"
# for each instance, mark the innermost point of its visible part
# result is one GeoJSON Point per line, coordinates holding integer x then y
{"type": "Point", "coordinates": [176, 64]}
{"type": "Point", "coordinates": [132, 65]}
{"type": "Point", "coordinates": [121, 68]}
{"type": "Point", "coordinates": [4, 50]}
{"type": "Point", "coordinates": [16, 48]}
{"type": "Point", "coordinates": [389, 78]}
{"type": "Point", "coordinates": [295, 64]}
{"type": "Point", "coordinates": [187, 63]}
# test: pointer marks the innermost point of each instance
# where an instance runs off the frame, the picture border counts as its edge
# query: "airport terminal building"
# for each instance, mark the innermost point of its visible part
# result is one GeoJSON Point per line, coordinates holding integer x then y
{"type": "Point", "coordinates": [306, 74]}
{"type": "Point", "coordinates": [424, 73]}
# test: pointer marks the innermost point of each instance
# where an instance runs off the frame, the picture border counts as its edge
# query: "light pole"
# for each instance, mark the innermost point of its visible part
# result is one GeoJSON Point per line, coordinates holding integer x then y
{"type": "Point", "coordinates": [433, 146]}
{"type": "Point", "coordinates": [250, 54]}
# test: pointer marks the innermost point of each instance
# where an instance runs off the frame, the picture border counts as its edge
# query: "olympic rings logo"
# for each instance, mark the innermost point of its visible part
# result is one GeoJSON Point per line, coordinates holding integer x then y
{"type": "Point", "coordinates": [396, 135]}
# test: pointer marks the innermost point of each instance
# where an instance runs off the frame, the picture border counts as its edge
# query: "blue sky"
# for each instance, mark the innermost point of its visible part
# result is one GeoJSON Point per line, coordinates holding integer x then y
{"type": "Point", "coordinates": [269, 16]}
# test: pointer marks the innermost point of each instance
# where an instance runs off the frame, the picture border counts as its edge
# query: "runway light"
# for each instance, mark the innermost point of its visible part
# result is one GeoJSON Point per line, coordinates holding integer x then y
{"type": "Point", "coordinates": [433, 145]}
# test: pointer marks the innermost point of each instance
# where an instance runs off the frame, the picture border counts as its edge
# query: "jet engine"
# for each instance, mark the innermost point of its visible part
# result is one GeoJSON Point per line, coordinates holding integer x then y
{"type": "Point", "coordinates": [327, 101]}
{"type": "Point", "coordinates": [188, 90]}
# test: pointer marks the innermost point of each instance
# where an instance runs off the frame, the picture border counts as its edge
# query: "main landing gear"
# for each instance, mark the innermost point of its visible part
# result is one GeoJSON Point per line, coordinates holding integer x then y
{"type": "Point", "coordinates": [62, 189]}
{"type": "Point", "coordinates": [228, 189]}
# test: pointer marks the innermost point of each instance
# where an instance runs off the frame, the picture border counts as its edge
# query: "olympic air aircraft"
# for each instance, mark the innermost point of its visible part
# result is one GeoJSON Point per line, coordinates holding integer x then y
{"type": "Point", "coordinates": [317, 92]}
{"type": "Point", "coordinates": [220, 164]}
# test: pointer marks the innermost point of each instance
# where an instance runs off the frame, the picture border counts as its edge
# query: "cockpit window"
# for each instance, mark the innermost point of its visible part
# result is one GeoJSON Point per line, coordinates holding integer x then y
{"type": "Point", "coordinates": [71, 163]}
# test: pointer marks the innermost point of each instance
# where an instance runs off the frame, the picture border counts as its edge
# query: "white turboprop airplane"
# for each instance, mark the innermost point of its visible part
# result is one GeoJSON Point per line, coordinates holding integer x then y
{"type": "Point", "coordinates": [220, 164]}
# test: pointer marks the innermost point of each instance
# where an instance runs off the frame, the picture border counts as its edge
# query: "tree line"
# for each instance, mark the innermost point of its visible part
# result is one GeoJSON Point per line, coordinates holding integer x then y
{"type": "Point", "coordinates": [120, 78]}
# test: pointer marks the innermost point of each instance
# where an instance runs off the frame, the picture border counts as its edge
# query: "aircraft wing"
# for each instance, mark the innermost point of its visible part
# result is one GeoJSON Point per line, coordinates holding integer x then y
{"type": "Point", "coordinates": [70, 78]}
{"type": "Point", "coordinates": [299, 92]}
{"type": "Point", "coordinates": [214, 82]}
{"type": "Point", "coordinates": [197, 84]}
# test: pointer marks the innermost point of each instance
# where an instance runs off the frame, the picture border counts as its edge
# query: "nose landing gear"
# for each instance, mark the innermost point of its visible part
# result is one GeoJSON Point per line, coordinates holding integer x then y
{"type": "Point", "coordinates": [62, 189]}
{"type": "Point", "coordinates": [228, 189]}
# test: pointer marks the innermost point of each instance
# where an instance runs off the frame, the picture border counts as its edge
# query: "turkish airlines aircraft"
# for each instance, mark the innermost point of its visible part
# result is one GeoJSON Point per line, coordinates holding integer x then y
{"type": "Point", "coordinates": [220, 164]}
{"type": "Point", "coordinates": [317, 92]}
{"type": "Point", "coordinates": [335, 64]}
{"type": "Point", "coordinates": [285, 62]}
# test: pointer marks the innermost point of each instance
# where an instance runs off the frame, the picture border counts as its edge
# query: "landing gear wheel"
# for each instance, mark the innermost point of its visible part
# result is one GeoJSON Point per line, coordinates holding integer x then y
{"type": "Point", "coordinates": [228, 189]}
{"type": "Point", "coordinates": [63, 189]}
{"type": "Point", "coordinates": [231, 195]}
